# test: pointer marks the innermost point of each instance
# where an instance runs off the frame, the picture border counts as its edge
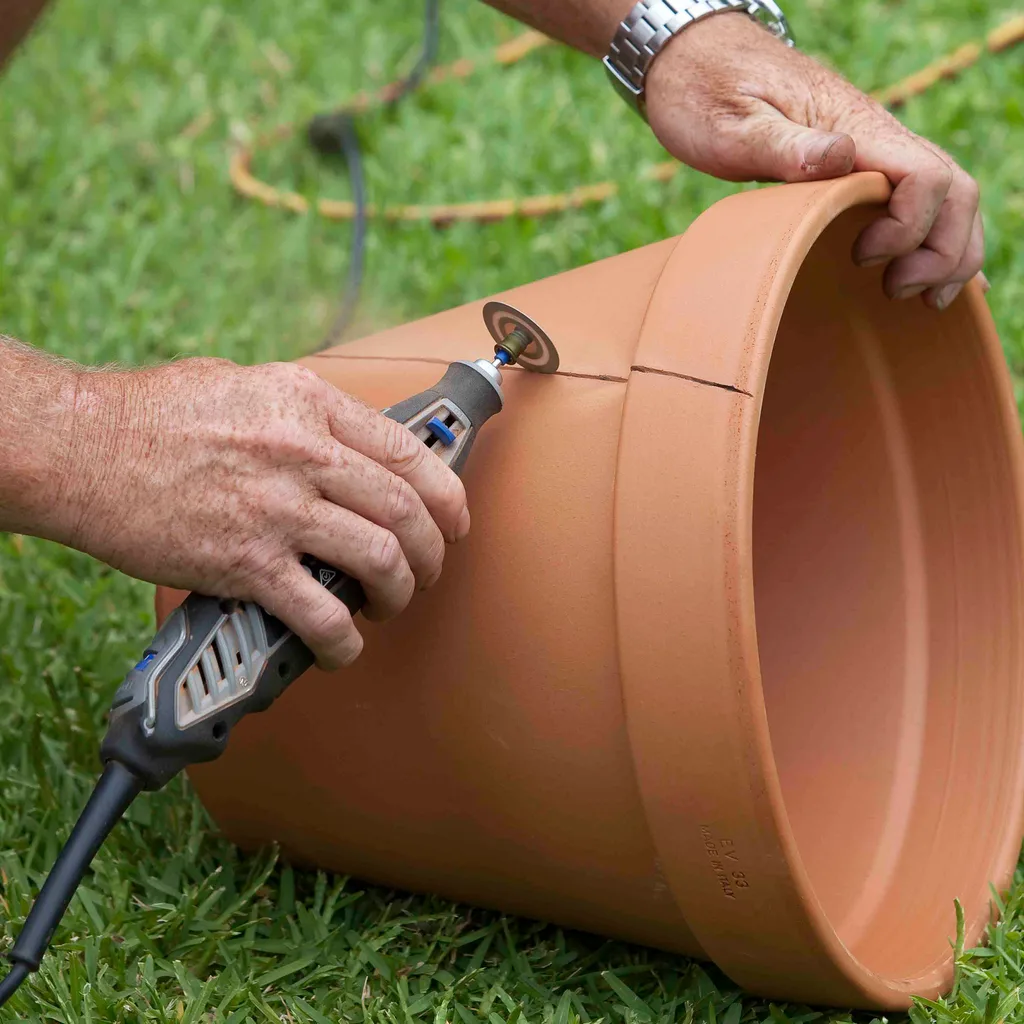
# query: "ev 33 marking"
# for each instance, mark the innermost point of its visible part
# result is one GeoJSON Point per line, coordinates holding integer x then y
{"type": "Point", "coordinates": [326, 576]}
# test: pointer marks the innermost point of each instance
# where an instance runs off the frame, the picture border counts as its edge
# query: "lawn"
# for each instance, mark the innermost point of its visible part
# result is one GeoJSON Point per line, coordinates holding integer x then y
{"type": "Point", "coordinates": [122, 240]}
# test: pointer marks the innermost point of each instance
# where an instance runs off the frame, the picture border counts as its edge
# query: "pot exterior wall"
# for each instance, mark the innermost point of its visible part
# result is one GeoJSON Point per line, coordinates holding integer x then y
{"type": "Point", "coordinates": [571, 725]}
{"type": "Point", "coordinates": [495, 766]}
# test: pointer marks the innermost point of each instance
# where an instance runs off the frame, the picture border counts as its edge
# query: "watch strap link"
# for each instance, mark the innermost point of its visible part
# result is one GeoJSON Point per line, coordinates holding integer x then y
{"type": "Point", "coordinates": [652, 23]}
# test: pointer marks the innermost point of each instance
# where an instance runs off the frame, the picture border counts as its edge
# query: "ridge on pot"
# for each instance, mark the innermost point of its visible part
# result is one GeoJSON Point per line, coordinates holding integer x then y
{"type": "Point", "coordinates": [762, 701]}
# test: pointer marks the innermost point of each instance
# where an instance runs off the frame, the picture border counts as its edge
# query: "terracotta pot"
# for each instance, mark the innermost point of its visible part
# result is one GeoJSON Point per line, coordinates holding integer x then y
{"type": "Point", "coordinates": [769, 718]}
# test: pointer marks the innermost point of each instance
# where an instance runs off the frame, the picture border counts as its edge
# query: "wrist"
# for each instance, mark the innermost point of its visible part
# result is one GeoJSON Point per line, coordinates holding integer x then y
{"type": "Point", "coordinates": [86, 455]}
{"type": "Point", "coordinates": [690, 57]}
{"type": "Point", "coordinates": [61, 448]}
{"type": "Point", "coordinates": [654, 29]}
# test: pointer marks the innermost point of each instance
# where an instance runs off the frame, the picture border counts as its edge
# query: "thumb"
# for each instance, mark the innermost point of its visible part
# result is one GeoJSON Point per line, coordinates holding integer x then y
{"type": "Point", "coordinates": [785, 151]}
{"type": "Point", "coordinates": [770, 147]}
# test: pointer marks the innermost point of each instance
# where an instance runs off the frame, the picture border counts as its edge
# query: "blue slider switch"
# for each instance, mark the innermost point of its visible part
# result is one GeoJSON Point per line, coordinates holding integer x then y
{"type": "Point", "coordinates": [440, 431]}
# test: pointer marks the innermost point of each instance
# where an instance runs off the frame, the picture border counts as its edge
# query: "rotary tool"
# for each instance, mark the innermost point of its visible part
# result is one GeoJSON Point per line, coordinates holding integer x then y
{"type": "Point", "coordinates": [214, 661]}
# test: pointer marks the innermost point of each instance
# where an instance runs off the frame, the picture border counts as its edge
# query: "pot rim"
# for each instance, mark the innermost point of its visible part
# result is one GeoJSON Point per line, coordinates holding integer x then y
{"type": "Point", "coordinates": [806, 945]}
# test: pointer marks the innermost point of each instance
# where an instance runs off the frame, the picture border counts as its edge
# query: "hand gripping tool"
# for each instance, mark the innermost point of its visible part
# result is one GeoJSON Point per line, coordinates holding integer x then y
{"type": "Point", "coordinates": [215, 661]}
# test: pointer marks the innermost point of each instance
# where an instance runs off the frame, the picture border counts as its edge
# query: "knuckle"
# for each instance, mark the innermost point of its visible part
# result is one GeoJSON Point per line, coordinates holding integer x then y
{"type": "Point", "coordinates": [261, 562]}
{"type": "Point", "coordinates": [938, 175]}
{"type": "Point", "coordinates": [973, 262]}
{"type": "Point", "coordinates": [295, 385]}
{"type": "Point", "coordinates": [917, 232]}
{"type": "Point", "coordinates": [329, 454]}
{"type": "Point", "coordinates": [286, 440]}
{"type": "Point", "coordinates": [399, 500]}
{"type": "Point", "coordinates": [970, 190]}
{"type": "Point", "coordinates": [349, 412]}
{"type": "Point", "coordinates": [385, 557]}
{"type": "Point", "coordinates": [267, 580]}
{"type": "Point", "coordinates": [944, 265]}
{"type": "Point", "coordinates": [280, 370]}
{"type": "Point", "coordinates": [302, 517]}
{"type": "Point", "coordinates": [329, 623]}
{"type": "Point", "coordinates": [401, 449]}
{"type": "Point", "coordinates": [276, 372]}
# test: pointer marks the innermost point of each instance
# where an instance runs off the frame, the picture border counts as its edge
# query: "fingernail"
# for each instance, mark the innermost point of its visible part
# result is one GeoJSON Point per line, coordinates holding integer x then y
{"type": "Point", "coordinates": [986, 285]}
{"type": "Point", "coordinates": [462, 526]}
{"type": "Point", "coordinates": [351, 652]}
{"type": "Point", "coordinates": [946, 295]}
{"type": "Point", "coordinates": [817, 153]}
{"type": "Point", "coordinates": [909, 291]}
{"type": "Point", "coordinates": [871, 261]}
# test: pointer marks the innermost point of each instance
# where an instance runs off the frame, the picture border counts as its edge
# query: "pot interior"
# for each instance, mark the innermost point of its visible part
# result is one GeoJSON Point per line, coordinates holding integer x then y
{"type": "Point", "coordinates": [887, 579]}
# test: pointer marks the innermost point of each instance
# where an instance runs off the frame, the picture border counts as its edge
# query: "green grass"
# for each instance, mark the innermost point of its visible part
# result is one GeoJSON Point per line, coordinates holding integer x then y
{"type": "Point", "coordinates": [121, 240]}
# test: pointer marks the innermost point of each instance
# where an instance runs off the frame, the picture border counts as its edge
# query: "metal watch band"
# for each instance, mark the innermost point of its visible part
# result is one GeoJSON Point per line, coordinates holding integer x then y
{"type": "Point", "coordinates": [652, 23]}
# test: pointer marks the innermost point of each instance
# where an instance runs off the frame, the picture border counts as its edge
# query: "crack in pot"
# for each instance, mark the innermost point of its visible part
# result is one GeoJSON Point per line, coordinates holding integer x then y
{"type": "Point", "coordinates": [558, 373]}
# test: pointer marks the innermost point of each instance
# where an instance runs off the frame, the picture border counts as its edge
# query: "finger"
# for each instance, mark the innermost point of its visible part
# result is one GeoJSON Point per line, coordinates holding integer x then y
{"type": "Point", "coordinates": [922, 182]}
{"type": "Point", "coordinates": [315, 615]}
{"type": "Point", "coordinates": [953, 250]}
{"type": "Point", "coordinates": [370, 553]}
{"type": "Point", "coordinates": [353, 481]}
{"type": "Point", "coordinates": [393, 446]}
{"type": "Point", "coordinates": [986, 285]}
{"type": "Point", "coordinates": [940, 296]}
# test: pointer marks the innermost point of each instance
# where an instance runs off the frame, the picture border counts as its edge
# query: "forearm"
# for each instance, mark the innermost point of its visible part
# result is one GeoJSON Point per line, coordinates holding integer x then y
{"type": "Point", "coordinates": [51, 452]}
{"type": "Point", "coordinates": [587, 25]}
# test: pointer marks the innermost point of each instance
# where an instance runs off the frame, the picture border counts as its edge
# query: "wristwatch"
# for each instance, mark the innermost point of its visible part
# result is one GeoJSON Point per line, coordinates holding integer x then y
{"type": "Point", "coordinates": [652, 23]}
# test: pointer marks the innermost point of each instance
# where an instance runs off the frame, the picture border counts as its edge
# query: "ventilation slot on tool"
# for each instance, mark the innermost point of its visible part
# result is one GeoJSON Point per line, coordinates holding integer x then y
{"type": "Point", "coordinates": [221, 674]}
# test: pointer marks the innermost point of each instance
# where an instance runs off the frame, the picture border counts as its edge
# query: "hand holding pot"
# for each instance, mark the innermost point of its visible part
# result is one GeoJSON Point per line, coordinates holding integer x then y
{"type": "Point", "coordinates": [729, 99]}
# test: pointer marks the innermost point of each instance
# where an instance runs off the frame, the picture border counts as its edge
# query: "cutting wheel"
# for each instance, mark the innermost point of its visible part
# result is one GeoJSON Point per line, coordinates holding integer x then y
{"type": "Point", "coordinates": [501, 319]}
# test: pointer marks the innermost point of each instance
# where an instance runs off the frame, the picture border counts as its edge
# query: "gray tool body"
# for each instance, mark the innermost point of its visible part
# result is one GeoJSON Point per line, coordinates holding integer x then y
{"type": "Point", "coordinates": [214, 661]}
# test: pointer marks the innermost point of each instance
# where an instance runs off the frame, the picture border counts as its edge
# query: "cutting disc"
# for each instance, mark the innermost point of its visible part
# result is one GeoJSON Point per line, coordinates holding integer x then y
{"type": "Point", "coordinates": [501, 319]}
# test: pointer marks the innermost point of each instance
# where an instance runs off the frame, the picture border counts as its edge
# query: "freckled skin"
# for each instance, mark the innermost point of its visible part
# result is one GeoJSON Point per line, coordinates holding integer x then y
{"type": "Point", "coordinates": [727, 98]}
{"type": "Point", "coordinates": [209, 476]}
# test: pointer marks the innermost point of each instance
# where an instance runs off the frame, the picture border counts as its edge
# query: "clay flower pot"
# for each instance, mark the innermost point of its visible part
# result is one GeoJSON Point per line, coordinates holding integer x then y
{"type": "Point", "coordinates": [731, 663]}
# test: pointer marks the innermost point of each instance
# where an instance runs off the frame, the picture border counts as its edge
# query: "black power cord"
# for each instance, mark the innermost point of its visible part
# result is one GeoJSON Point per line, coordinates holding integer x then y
{"type": "Point", "coordinates": [334, 133]}
{"type": "Point", "coordinates": [116, 789]}
{"type": "Point", "coordinates": [10, 984]}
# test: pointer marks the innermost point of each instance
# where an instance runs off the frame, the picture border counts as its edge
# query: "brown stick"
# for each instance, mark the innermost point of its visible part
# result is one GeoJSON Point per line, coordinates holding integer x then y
{"type": "Point", "coordinates": [1010, 33]}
